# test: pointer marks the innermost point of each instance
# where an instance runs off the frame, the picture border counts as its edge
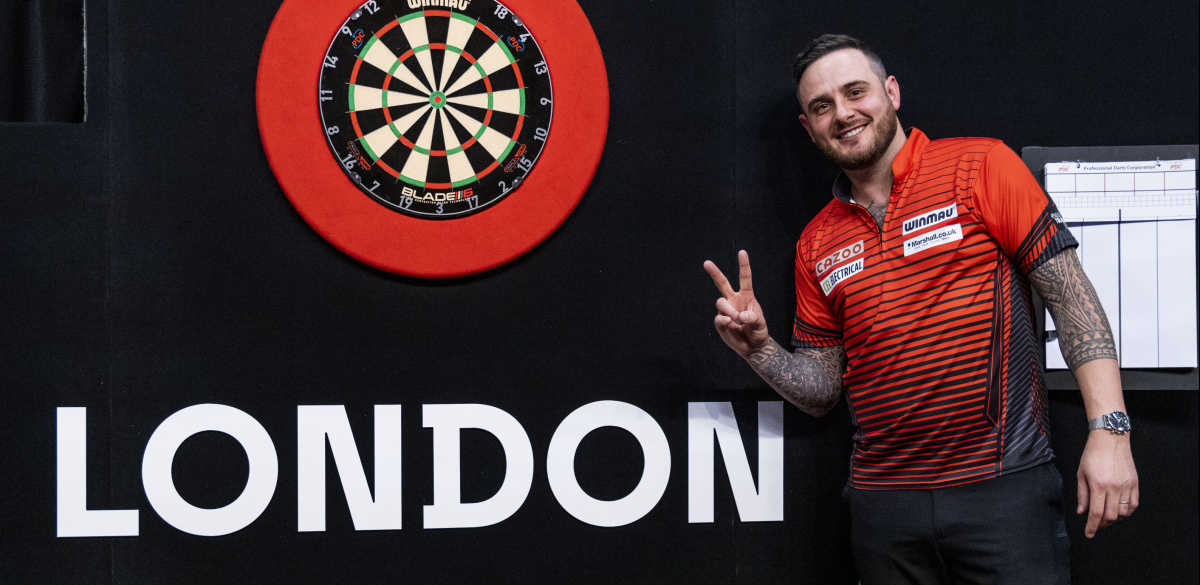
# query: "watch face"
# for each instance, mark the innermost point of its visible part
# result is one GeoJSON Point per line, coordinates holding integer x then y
{"type": "Point", "coordinates": [1118, 422]}
{"type": "Point", "coordinates": [435, 109]}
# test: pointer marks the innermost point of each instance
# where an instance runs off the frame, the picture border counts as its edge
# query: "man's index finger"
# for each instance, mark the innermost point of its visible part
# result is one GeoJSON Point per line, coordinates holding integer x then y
{"type": "Point", "coordinates": [719, 279]}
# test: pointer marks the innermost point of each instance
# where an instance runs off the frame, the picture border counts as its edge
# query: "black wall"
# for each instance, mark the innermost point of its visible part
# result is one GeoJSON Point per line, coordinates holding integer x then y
{"type": "Point", "coordinates": [150, 262]}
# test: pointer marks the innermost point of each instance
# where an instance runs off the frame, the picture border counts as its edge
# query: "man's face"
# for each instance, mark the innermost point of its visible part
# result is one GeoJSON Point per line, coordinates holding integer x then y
{"type": "Point", "coordinates": [848, 111]}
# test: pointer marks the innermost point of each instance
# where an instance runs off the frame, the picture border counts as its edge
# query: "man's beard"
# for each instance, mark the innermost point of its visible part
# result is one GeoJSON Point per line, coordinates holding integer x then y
{"type": "Point", "coordinates": [884, 134]}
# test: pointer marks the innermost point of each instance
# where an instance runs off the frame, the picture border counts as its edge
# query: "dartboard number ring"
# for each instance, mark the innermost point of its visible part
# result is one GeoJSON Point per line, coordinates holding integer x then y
{"type": "Point", "coordinates": [436, 109]}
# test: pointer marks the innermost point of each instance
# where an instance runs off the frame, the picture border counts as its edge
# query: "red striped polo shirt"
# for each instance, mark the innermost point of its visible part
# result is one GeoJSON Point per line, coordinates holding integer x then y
{"type": "Point", "coordinates": [943, 376]}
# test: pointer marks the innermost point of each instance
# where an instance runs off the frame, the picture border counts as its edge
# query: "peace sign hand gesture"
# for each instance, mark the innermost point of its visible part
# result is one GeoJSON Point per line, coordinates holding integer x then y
{"type": "Point", "coordinates": [739, 318]}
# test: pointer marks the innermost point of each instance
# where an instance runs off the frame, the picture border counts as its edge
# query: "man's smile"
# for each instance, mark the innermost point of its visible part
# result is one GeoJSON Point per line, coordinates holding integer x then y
{"type": "Point", "coordinates": [851, 133]}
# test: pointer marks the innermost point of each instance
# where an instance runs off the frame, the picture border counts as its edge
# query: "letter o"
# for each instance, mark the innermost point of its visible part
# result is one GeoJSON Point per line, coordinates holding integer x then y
{"type": "Point", "coordinates": [160, 453]}
{"type": "Point", "coordinates": [560, 463]}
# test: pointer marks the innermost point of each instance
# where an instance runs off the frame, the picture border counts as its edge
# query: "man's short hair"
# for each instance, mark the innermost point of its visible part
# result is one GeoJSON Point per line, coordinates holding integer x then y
{"type": "Point", "coordinates": [826, 44]}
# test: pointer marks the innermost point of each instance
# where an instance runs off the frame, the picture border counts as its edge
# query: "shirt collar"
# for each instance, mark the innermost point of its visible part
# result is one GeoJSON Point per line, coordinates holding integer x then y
{"type": "Point", "coordinates": [906, 160]}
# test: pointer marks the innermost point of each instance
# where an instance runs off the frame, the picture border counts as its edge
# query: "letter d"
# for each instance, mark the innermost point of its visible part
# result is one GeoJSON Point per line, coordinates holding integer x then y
{"type": "Point", "coordinates": [447, 420]}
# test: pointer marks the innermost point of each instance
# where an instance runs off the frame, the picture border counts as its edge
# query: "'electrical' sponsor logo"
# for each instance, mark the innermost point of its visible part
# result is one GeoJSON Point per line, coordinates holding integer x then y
{"type": "Point", "coordinates": [841, 274]}
{"type": "Point", "coordinates": [844, 254]}
{"type": "Point", "coordinates": [935, 216]}
{"type": "Point", "coordinates": [950, 233]}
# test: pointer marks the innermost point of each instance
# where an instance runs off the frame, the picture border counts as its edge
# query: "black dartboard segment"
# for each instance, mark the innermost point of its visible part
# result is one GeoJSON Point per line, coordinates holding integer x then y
{"type": "Point", "coordinates": [435, 108]}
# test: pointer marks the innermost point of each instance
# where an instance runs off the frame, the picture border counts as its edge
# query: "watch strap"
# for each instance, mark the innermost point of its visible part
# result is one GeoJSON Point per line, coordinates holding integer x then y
{"type": "Point", "coordinates": [1115, 421]}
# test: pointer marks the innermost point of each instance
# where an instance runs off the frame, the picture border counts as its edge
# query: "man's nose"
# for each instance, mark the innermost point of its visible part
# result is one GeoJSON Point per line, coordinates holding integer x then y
{"type": "Point", "coordinates": [842, 111]}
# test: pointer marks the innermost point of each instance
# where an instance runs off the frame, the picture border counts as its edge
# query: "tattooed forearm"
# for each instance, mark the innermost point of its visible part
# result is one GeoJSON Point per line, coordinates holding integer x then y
{"type": "Point", "coordinates": [1083, 331]}
{"type": "Point", "coordinates": [811, 378]}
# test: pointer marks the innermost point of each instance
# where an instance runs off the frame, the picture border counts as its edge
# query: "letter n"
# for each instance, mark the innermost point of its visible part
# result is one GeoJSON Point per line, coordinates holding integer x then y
{"type": "Point", "coordinates": [313, 425]}
{"type": "Point", "coordinates": [762, 505]}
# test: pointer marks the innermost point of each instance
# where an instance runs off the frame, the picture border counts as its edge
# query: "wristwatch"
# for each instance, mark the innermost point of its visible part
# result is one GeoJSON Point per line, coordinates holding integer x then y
{"type": "Point", "coordinates": [1115, 421]}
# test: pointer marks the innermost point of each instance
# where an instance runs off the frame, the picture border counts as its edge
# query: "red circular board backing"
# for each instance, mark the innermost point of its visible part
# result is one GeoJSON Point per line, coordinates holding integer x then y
{"type": "Point", "coordinates": [290, 126]}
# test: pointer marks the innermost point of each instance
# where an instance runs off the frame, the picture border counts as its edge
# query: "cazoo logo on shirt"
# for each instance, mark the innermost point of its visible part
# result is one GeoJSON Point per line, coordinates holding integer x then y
{"type": "Point", "coordinates": [844, 254]}
{"type": "Point", "coordinates": [841, 274]}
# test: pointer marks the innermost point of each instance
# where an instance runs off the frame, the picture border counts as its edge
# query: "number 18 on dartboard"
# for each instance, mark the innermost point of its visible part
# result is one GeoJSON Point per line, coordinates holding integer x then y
{"type": "Point", "coordinates": [435, 108]}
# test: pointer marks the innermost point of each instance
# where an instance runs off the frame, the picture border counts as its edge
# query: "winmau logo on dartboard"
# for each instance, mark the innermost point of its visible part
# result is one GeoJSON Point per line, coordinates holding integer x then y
{"type": "Point", "coordinates": [436, 109]}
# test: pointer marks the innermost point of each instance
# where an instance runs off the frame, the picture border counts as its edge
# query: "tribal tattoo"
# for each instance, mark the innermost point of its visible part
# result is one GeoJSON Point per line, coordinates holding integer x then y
{"type": "Point", "coordinates": [811, 378]}
{"type": "Point", "coordinates": [1083, 331]}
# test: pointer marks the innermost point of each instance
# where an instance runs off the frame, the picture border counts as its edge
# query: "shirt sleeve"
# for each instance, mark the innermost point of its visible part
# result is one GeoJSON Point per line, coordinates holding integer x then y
{"type": "Point", "coordinates": [1017, 212]}
{"type": "Point", "coordinates": [815, 324]}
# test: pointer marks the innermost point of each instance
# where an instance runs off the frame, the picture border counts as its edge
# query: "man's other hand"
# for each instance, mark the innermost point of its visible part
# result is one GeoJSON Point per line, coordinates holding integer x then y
{"type": "Point", "coordinates": [739, 318]}
{"type": "Point", "coordinates": [1108, 481]}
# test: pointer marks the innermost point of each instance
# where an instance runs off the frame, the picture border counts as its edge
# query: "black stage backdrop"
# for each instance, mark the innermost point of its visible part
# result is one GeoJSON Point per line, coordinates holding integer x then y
{"type": "Point", "coordinates": [151, 262]}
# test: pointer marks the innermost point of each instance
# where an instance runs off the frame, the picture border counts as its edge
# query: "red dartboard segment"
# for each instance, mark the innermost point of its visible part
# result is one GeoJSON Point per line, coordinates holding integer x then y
{"type": "Point", "coordinates": [290, 127]}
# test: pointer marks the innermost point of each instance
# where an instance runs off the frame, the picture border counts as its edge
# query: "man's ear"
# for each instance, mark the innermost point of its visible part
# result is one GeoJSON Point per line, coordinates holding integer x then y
{"type": "Point", "coordinates": [804, 122]}
{"type": "Point", "coordinates": [893, 91]}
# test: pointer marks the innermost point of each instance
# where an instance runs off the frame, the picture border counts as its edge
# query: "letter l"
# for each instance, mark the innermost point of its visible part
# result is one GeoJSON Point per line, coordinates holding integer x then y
{"type": "Point", "coordinates": [74, 519]}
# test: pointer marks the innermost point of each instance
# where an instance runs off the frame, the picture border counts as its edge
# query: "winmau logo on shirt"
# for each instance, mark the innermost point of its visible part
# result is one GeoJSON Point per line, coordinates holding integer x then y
{"type": "Point", "coordinates": [935, 216]}
{"type": "Point", "coordinates": [841, 274]}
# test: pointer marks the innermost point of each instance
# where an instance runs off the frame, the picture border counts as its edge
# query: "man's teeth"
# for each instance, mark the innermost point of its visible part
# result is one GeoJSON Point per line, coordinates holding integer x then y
{"type": "Point", "coordinates": [853, 132]}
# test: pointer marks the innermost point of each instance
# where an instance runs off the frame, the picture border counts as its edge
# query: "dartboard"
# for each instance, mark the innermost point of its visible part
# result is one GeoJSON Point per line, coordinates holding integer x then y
{"type": "Point", "coordinates": [435, 111]}
{"type": "Point", "coordinates": [416, 135]}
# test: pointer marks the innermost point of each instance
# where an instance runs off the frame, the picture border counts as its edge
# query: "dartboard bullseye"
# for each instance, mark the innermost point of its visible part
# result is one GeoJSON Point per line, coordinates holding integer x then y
{"type": "Point", "coordinates": [436, 109]}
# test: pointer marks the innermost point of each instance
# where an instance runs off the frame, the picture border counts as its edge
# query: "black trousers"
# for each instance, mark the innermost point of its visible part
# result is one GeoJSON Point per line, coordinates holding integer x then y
{"type": "Point", "coordinates": [1008, 529]}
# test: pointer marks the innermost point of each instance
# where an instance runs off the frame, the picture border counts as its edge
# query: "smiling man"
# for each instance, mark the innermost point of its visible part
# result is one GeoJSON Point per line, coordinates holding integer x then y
{"type": "Point", "coordinates": [913, 299]}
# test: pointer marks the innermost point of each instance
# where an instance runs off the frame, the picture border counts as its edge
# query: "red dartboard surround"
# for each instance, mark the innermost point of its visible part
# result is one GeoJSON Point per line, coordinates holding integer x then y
{"type": "Point", "coordinates": [290, 127]}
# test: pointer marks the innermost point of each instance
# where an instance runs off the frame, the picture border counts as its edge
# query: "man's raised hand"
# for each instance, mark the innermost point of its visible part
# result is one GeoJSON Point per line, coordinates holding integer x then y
{"type": "Point", "coordinates": [739, 318]}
